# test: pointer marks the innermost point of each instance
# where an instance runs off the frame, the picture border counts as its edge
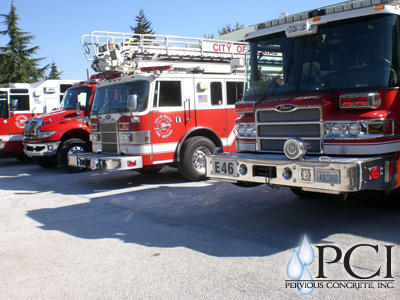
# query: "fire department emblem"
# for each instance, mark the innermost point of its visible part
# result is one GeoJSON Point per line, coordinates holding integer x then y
{"type": "Point", "coordinates": [20, 121]}
{"type": "Point", "coordinates": [163, 126]}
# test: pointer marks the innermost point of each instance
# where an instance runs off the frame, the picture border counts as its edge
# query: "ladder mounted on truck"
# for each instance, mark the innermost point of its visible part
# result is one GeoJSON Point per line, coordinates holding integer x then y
{"type": "Point", "coordinates": [129, 53]}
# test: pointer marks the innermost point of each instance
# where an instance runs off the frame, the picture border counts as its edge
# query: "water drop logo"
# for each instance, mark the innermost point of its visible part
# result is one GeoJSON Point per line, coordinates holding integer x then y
{"type": "Point", "coordinates": [297, 267]}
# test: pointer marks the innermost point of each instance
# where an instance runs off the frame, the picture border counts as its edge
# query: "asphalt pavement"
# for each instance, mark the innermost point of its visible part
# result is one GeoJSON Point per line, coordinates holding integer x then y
{"type": "Point", "coordinates": [124, 235]}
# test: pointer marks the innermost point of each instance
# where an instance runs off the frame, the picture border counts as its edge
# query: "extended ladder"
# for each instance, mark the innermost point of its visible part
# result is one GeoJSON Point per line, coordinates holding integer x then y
{"type": "Point", "coordinates": [123, 52]}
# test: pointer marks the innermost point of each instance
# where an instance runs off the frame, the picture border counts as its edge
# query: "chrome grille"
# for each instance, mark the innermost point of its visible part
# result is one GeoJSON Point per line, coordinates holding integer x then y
{"type": "Point", "coordinates": [274, 127]}
{"type": "Point", "coordinates": [109, 137]}
{"type": "Point", "coordinates": [32, 127]}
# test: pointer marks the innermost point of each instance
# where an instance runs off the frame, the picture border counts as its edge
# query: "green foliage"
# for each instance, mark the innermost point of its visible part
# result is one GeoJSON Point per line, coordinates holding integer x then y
{"type": "Point", "coordinates": [54, 74]}
{"type": "Point", "coordinates": [225, 30]}
{"type": "Point", "coordinates": [143, 26]}
{"type": "Point", "coordinates": [16, 58]}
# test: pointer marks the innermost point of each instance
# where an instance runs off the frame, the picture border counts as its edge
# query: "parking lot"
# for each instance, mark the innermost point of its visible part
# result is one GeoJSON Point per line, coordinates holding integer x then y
{"type": "Point", "coordinates": [125, 235]}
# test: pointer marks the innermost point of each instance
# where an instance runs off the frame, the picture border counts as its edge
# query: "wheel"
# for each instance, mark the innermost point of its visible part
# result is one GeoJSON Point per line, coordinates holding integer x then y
{"type": "Point", "coordinates": [46, 162]}
{"type": "Point", "coordinates": [192, 164]}
{"type": "Point", "coordinates": [69, 147]}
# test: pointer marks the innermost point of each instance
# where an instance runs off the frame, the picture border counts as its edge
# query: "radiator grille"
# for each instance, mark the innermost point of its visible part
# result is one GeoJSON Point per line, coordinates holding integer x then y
{"type": "Point", "coordinates": [275, 127]}
{"type": "Point", "coordinates": [31, 128]}
{"type": "Point", "coordinates": [109, 137]}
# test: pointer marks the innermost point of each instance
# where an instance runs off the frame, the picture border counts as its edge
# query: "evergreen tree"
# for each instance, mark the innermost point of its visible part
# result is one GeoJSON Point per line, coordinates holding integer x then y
{"type": "Point", "coordinates": [54, 74]}
{"type": "Point", "coordinates": [16, 61]}
{"type": "Point", "coordinates": [143, 26]}
{"type": "Point", "coordinates": [225, 30]}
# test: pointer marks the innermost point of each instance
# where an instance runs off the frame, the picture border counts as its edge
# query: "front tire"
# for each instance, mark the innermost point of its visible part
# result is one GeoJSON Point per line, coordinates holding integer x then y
{"type": "Point", "coordinates": [71, 146]}
{"type": "Point", "coordinates": [192, 164]}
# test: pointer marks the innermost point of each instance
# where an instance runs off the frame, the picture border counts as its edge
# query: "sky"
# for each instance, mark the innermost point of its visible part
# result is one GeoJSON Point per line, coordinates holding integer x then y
{"type": "Point", "coordinates": [58, 25]}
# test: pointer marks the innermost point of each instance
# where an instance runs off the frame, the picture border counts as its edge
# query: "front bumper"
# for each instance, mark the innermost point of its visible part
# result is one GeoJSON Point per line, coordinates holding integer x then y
{"type": "Point", "coordinates": [41, 149]}
{"type": "Point", "coordinates": [1, 146]}
{"type": "Point", "coordinates": [96, 161]}
{"type": "Point", "coordinates": [323, 174]}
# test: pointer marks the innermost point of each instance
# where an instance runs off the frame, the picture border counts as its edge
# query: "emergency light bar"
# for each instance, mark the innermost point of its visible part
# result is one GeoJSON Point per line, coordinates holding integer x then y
{"type": "Point", "coordinates": [306, 28]}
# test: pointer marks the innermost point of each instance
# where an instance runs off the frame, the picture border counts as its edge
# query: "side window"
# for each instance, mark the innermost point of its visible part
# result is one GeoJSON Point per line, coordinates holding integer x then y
{"type": "Point", "coordinates": [234, 92]}
{"type": "Point", "coordinates": [23, 101]}
{"type": "Point", "coordinates": [168, 93]}
{"type": "Point", "coordinates": [216, 93]}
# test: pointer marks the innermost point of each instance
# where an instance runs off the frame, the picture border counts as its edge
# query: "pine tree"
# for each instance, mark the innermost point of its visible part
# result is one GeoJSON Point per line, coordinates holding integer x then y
{"type": "Point", "coordinates": [225, 30]}
{"type": "Point", "coordinates": [54, 74]}
{"type": "Point", "coordinates": [143, 26]}
{"type": "Point", "coordinates": [16, 61]}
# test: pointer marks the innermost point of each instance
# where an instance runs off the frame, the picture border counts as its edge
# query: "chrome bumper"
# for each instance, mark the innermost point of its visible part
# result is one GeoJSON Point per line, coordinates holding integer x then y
{"type": "Point", "coordinates": [41, 149]}
{"type": "Point", "coordinates": [96, 161]}
{"type": "Point", "coordinates": [322, 174]}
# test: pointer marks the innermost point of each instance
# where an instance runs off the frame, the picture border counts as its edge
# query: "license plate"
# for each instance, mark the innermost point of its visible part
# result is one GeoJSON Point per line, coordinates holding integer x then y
{"type": "Point", "coordinates": [327, 176]}
{"type": "Point", "coordinates": [224, 168]}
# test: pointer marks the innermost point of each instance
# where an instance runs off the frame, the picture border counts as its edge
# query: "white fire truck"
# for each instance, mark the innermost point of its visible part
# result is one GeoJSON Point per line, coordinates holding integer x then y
{"type": "Point", "coordinates": [321, 108]}
{"type": "Point", "coordinates": [21, 101]}
{"type": "Point", "coordinates": [175, 106]}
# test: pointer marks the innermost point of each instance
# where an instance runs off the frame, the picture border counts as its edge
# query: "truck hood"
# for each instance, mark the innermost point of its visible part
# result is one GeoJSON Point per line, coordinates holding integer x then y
{"type": "Point", "coordinates": [58, 115]}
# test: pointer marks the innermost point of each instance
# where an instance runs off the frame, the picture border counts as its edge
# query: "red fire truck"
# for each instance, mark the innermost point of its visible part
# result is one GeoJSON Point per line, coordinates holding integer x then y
{"type": "Point", "coordinates": [321, 107]}
{"type": "Point", "coordinates": [21, 101]}
{"type": "Point", "coordinates": [175, 106]}
{"type": "Point", "coordinates": [50, 137]}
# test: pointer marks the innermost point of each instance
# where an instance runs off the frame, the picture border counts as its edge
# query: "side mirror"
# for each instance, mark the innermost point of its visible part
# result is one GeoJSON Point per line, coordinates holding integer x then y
{"type": "Point", "coordinates": [14, 104]}
{"type": "Point", "coordinates": [132, 103]}
{"type": "Point", "coordinates": [78, 109]}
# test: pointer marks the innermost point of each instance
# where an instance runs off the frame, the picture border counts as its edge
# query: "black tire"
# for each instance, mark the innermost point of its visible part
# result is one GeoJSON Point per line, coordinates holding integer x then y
{"type": "Point", "coordinates": [69, 147]}
{"type": "Point", "coordinates": [46, 162]}
{"type": "Point", "coordinates": [192, 164]}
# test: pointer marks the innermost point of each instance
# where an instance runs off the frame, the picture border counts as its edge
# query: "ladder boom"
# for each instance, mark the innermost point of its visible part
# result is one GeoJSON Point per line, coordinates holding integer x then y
{"type": "Point", "coordinates": [122, 52]}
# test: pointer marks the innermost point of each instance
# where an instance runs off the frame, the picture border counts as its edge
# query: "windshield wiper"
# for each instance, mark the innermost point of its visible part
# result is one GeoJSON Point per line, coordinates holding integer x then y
{"type": "Point", "coordinates": [324, 82]}
{"type": "Point", "coordinates": [119, 110]}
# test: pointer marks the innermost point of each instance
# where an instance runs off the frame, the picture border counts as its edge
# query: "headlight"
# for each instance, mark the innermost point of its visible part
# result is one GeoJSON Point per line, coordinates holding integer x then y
{"type": "Point", "coordinates": [125, 137]}
{"type": "Point", "coordinates": [241, 130]}
{"type": "Point", "coordinates": [43, 135]}
{"type": "Point", "coordinates": [354, 129]}
{"type": "Point", "coordinates": [336, 129]}
{"type": "Point", "coordinates": [249, 130]}
{"type": "Point", "coordinates": [94, 137]}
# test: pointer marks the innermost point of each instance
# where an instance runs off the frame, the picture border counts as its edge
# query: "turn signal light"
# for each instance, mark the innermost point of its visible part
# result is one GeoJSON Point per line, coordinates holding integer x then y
{"type": "Point", "coordinates": [244, 107]}
{"type": "Point", "coordinates": [373, 173]}
{"type": "Point", "coordinates": [131, 163]}
{"type": "Point", "coordinates": [360, 101]}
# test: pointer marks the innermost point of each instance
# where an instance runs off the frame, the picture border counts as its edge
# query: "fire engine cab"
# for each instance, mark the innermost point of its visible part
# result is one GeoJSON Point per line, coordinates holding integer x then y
{"type": "Point", "coordinates": [166, 100]}
{"type": "Point", "coordinates": [321, 107]}
{"type": "Point", "coordinates": [52, 136]}
{"type": "Point", "coordinates": [21, 101]}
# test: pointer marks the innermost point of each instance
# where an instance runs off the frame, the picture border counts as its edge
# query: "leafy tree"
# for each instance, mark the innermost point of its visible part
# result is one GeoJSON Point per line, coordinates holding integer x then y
{"type": "Point", "coordinates": [143, 26]}
{"type": "Point", "coordinates": [16, 58]}
{"type": "Point", "coordinates": [54, 74]}
{"type": "Point", "coordinates": [225, 30]}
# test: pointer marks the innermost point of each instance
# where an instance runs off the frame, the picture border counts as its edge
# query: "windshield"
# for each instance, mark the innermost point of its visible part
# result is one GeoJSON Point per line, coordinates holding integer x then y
{"type": "Point", "coordinates": [346, 55]}
{"type": "Point", "coordinates": [113, 98]}
{"type": "Point", "coordinates": [75, 95]}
